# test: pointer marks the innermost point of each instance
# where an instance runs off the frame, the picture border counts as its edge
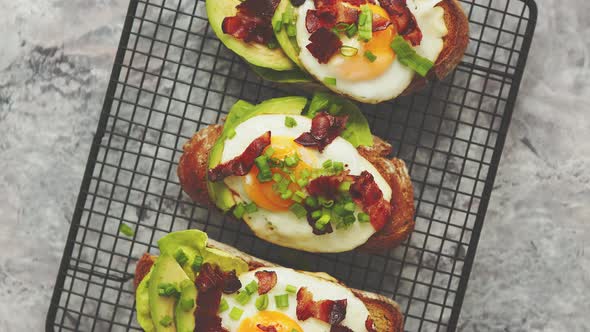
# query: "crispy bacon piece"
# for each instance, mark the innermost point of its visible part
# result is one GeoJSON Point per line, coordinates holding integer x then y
{"type": "Point", "coordinates": [366, 193]}
{"type": "Point", "coordinates": [369, 325]}
{"type": "Point", "coordinates": [324, 129]}
{"type": "Point", "coordinates": [340, 328]}
{"type": "Point", "coordinates": [324, 3]}
{"type": "Point", "coordinates": [231, 283]}
{"type": "Point", "coordinates": [269, 328]}
{"type": "Point", "coordinates": [327, 229]}
{"type": "Point", "coordinates": [328, 16]}
{"type": "Point", "coordinates": [329, 311]}
{"type": "Point", "coordinates": [210, 283]}
{"type": "Point", "coordinates": [403, 20]}
{"type": "Point", "coordinates": [241, 164]}
{"type": "Point", "coordinates": [324, 44]}
{"type": "Point", "coordinates": [267, 280]}
{"type": "Point", "coordinates": [253, 21]}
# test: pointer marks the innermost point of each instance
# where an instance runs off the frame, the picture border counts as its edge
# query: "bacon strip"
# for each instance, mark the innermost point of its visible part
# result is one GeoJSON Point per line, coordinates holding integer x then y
{"type": "Point", "coordinates": [324, 129]}
{"type": "Point", "coordinates": [329, 311]}
{"type": "Point", "coordinates": [253, 21]}
{"type": "Point", "coordinates": [241, 164]}
{"type": "Point", "coordinates": [210, 282]}
{"type": "Point", "coordinates": [380, 23]}
{"type": "Point", "coordinates": [267, 280]}
{"type": "Point", "coordinates": [327, 229]}
{"type": "Point", "coordinates": [324, 44]}
{"type": "Point", "coordinates": [366, 193]}
{"type": "Point", "coordinates": [327, 185]}
{"type": "Point", "coordinates": [404, 21]}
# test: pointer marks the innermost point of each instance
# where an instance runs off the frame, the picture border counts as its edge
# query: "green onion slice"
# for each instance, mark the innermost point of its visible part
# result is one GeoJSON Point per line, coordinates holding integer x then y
{"type": "Point", "coordinates": [262, 302]}
{"type": "Point", "coordinates": [236, 313]}
{"type": "Point", "coordinates": [282, 301]}
{"type": "Point", "coordinates": [348, 51]}
{"type": "Point", "coordinates": [223, 306]}
{"type": "Point", "coordinates": [408, 57]}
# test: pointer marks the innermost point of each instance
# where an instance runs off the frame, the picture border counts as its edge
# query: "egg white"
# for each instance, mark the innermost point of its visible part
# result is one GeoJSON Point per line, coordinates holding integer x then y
{"type": "Point", "coordinates": [284, 228]}
{"type": "Point", "coordinates": [393, 81]}
{"type": "Point", "coordinates": [356, 311]}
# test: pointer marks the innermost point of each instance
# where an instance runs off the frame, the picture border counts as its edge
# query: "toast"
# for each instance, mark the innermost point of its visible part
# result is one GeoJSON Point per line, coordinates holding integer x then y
{"type": "Point", "coordinates": [193, 167]}
{"type": "Point", "coordinates": [454, 46]}
{"type": "Point", "coordinates": [385, 313]}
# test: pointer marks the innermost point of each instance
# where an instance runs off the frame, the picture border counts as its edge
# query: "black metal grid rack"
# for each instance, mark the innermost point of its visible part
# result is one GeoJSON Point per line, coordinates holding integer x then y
{"type": "Point", "coordinates": [172, 77]}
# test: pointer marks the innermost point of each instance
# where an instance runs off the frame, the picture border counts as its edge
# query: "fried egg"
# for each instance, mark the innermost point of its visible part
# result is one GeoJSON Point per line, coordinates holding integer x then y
{"type": "Point", "coordinates": [274, 221]}
{"type": "Point", "coordinates": [385, 78]}
{"type": "Point", "coordinates": [285, 320]}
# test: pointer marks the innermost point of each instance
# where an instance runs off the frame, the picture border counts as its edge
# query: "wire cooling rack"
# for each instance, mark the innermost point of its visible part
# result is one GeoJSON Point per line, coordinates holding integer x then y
{"type": "Point", "coordinates": [172, 77]}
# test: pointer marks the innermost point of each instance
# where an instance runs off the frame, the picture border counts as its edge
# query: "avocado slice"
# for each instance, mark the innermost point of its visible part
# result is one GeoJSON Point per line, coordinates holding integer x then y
{"type": "Point", "coordinates": [240, 112]}
{"type": "Point", "coordinates": [288, 44]}
{"type": "Point", "coordinates": [186, 306]}
{"type": "Point", "coordinates": [288, 76]}
{"type": "Point", "coordinates": [193, 243]}
{"type": "Point", "coordinates": [165, 270]}
{"type": "Point", "coordinates": [142, 305]}
{"type": "Point", "coordinates": [254, 53]}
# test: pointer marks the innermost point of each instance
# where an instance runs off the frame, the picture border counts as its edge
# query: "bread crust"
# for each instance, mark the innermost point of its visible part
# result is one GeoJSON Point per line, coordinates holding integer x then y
{"type": "Point", "coordinates": [385, 313]}
{"type": "Point", "coordinates": [454, 46]}
{"type": "Point", "coordinates": [193, 166]}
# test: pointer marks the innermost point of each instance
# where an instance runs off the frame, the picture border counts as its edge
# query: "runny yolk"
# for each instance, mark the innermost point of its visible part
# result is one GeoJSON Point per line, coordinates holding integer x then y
{"type": "Point", "coordinates": [280, 321]}
{"type": "Point", "coordinates": [358, 67]}
{"type": "Point", "coordinates": [262, 193]}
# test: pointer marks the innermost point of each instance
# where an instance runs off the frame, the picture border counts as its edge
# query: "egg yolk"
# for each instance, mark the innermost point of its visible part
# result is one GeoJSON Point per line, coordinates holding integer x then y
{"type": "Point", "coordinates": [280, 321]}
{"type": "Point", "coordinates": [359, 67]}
{"type": "Point", "coordinates": [262, 193]}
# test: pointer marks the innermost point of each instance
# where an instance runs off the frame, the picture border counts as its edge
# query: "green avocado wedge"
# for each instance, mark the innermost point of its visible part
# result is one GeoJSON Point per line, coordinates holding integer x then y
{"type": "Point", "coordinates": [288, 44]}
{"type": "Point", "coordinates": [142, 305]}
{"type": "Point", "coordinates": [165, 271]}
{"type": "Point", "coordinates": [186, 307]}
{"type": "Point", "coordinates": [253, 53]}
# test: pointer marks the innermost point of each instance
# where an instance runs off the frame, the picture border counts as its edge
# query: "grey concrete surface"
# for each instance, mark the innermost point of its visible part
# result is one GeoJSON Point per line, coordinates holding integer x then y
{"type": "Point", "coordinates": [531, 271]}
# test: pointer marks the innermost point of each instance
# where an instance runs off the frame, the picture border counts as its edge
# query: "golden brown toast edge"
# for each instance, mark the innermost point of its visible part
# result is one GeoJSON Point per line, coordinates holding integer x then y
{"type": "Point", "coordinates": [385, 312]}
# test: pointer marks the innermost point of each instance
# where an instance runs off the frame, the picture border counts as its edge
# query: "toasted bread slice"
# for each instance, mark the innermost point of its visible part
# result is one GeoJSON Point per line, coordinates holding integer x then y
{"type": "Point", "coordinates": [385, 313]}
{"type": "Point", "coordinates": [454, 46]}
{"type": "Point", "coordinates": [192, 172]}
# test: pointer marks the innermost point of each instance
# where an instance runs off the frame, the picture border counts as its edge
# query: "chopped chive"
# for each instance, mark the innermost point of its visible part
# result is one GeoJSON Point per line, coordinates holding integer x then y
{"type": "Point", "coordinates": [277, 25]}
{"type": "Point", "coordinates": [323, 221]}
{"type": "Point", "coordinates": [311, 201]}
{"type": "Point", "coordinates": [366, 23]}
{"type": "Point", "coordinates": [291, 31]}
{"type": "Point", "coordinates": [300, 194]}
{"type": "Point", "coordinates": [243, 297]}
{"type": "Point", "coordinates": [264, 173]}
{"type": "Point", "coordinates": [168, 289]}
{"type": "Point", "coordinates": [363, 217]}
{"type": "Point", "coordinates": [302, 182]}
{"type": "Point", "coordinates": [282, 301]}
{"type": "Point", "coordinates": [348, 51]}
{"type": "Point", "coordinates": [338, 166]}
{"type": "Point", "coordinates": [298, 210]}
{"type": "Point", "coordinates": [252, 287]}
{"type": "Point", "coordinates": [341, 27]}
{"type": "Point", "coordinates": [408, 57]}
{"type": "Point", "coordinates": [290, 122]}
{"type": "Point", "coordinates": [297, 199]}
{"type": "Point", "coordinates": [315, 215]}
{"type": "Point", "coordinates": [166, 321]}
{"type": "Point", "coordinates": [223, 306]}
{"type": "Point", "coordinates": [239, 211]}
{"type": "Point", "coordinates": [197, 262]}
{"type": "Point", "coordinates": [327, 203]}
{"type": "Point", "coordinates": [180, 257]}
{"type": "Point", "coordinates": [330, 81]}
{"type": "Point", "coordinates": [339, 210]}
{"type": "Point", "coordinates": [286, 194]}
{"type": "Point", "coordinates": [344, 186]}
{"type": "Point", "coordinates": [327, 164]}
{"type": "Point", "coordinates": [305, 173]}
{"type": "Point", "coordinates": [352, 30]}
{"type": "Point", "coordinates": [349, 219]}
{"type": "Point", "coordinates": [369, 55]}
{"type": "Point", "coordinates": [350, 206]}
{"type": "Point", "coordinates": [187, 304]}
{"type": "Point", "coordinates": [236, 313]}
{"type": "Point", "coordinates": [277, 177]}
{"type": "Point", "coordinates": [292, 161]}
{"type": "Point", "coordinates": [262, 302]}
{"type": "Point", "coordinates": [251, 208]}
{"type": "Point", "coordinates": [269, 151]}
{"type": "Point", "coordinates": [126, 230]}
{"type": "Point", "coordinates": [291, 289]}
{"type": "Point", "coordinates": [273, 44]}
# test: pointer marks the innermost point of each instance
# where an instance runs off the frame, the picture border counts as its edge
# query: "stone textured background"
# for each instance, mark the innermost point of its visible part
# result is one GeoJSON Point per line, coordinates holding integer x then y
{"type": "Point", "coordinates": [531, 271]}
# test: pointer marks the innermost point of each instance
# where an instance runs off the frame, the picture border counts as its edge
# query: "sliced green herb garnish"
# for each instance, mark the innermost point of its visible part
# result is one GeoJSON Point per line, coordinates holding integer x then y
{"type": "Point", "coordinates": [180, 257]}
{"type": "Point", "coordinates": [282, 301]}
{"type": "Point", "coordinates": [197, 263]}
{"type": "Point", "coordinates": [330, 81]}
{"type": "Point", "coordinates": [290, 122]}
{"type": "Point", "coordinates": [223, 306]}
{"type": "Point", "coordinates": [369, 55]}
{"type": "Point", "coordinates": [236, 313]}
{"type": "Point", "coordinates": [166, 321]}
{"type": "Point", "coordinates": [126, 230]}
{"type": "Point", "coordinates": [262, 302]}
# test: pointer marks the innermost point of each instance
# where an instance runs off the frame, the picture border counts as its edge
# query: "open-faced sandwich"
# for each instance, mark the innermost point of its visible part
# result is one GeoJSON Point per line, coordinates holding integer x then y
{"type": "Point", "coordinates": [368, 50]}
{"type": "Point", "coordinates": [304, 175]}
{"type": "Point", "coordinates": [200, 285]}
